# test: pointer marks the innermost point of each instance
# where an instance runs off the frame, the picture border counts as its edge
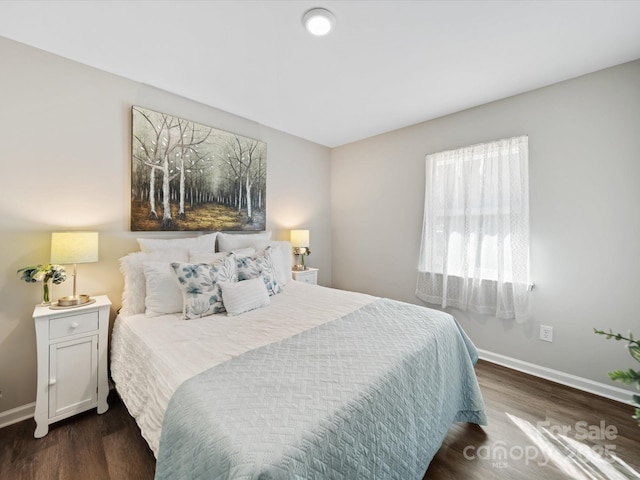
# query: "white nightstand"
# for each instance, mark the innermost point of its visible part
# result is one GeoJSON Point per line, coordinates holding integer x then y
{"type": "Point", "coordinates": [310, 275]}
{"type": "Point", "coordinates": [72, 361]}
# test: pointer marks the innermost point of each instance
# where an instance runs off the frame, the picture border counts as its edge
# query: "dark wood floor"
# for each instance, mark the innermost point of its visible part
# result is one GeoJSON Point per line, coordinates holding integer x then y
{"type": "Point", "coordinates": [109, 446]}
{"type": "Point", "coordinates": [523, 410]}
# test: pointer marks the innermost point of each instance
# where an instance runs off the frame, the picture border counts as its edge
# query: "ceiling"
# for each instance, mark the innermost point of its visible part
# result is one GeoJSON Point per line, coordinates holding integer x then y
{"type": "Point", "coordinates": [388, 64]}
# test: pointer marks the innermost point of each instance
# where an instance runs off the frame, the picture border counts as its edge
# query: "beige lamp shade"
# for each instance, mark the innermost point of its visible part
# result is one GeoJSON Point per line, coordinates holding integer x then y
{"type": "Point", "coordinates": [299, 238]}
{"type": "Point", "coordinates": [74, 247]}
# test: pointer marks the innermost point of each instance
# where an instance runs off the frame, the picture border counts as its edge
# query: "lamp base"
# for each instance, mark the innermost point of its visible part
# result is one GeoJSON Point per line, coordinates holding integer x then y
{"type": "Point", "coordinates": [299, 268]}
{"type": "Point", "coordinates": [74, 300]}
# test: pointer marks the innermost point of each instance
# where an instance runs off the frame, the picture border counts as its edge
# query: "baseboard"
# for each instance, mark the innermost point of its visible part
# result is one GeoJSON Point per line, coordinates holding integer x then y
{"type": "Point", "coordinates": [573, 381]}
{"type": "Point", "coordinates": [17, 414]}
{"type": "Point", "coordinates": [23, 412]}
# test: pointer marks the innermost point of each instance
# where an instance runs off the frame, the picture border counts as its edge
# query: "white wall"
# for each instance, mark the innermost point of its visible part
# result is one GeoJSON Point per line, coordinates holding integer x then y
{"type": "Point", "coordinates": [65, 156]}
{"type": "Point", "coordinates": [584, 145]}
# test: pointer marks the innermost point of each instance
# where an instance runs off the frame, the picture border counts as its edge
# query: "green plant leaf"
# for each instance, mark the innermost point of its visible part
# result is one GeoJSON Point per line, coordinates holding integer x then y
{"type": "Point", "coordinates": [618, 375]}
{"type": "Point", "coordinates": [602, 332]}
{"type": "Point", "coordinates": [630, 376]}
{"type": "Point", "coordinates": [627, 377]}
{"type": "Point", "coordinates": [634, 350]}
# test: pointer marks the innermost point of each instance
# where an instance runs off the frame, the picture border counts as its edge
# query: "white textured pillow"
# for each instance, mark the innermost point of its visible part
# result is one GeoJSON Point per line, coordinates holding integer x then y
{"type": "Point", "coordinates": [131, 266]}
{"type": "Point", "coordinates": [203, 242]}
{"type": "Point", "coordinates": [240, 297]}
{"type": "Point", "coordinates": [235, 241]}
{"type": "Point", "coordinates": [200, 256]}
{"type": "Point", "coordinates": [163, 292]}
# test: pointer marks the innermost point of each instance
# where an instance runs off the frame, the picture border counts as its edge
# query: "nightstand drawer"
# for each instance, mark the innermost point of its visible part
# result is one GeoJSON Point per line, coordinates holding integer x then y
{"type": "Point", "coordinates": [310, 275]}
{"type": "Point", "coordinates": [307, 279]}
{"type": "Point", "coordinates": [81, 323]}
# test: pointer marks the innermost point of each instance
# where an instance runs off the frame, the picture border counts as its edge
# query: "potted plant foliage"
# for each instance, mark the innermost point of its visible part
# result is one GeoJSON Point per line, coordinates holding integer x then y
{"type": "Point", "coordinates": [631, 376]}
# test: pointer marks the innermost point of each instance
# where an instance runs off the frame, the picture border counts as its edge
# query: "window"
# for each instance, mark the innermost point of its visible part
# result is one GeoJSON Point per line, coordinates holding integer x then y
{"type": "Point", "coordinates": [475, 239]}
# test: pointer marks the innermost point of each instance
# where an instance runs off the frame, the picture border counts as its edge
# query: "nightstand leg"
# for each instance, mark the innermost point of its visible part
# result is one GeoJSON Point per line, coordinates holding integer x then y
{"type": "Point", "coordinates": [42, 428]}
{"type": "Point", "coordinates": [41, 412]}
{"type": "Point", "coordinates": [103, 406]}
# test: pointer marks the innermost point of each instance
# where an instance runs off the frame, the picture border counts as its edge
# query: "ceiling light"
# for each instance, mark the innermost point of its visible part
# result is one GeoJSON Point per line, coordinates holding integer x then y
{"type": "Point", "coordinates": [318, 21]}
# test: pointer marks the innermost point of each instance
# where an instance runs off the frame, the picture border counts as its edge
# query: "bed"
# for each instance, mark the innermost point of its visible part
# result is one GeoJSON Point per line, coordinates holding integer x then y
{"type": "Point", "coordinates": [313, 383]}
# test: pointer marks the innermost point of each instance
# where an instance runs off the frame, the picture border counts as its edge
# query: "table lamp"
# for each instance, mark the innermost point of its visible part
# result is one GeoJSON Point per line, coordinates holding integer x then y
{"type": "Point", "coordinates": [300, 244]}
{"type": "Point", "coordinates": [73, 248]}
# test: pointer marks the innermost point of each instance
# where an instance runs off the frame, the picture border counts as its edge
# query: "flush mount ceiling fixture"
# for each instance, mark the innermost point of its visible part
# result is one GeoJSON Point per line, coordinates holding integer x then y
{"type": "Point", "coordinates": [318, 21]}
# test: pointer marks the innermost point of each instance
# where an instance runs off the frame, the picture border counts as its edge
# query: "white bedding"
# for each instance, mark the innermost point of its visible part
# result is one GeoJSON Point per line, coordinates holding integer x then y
{"type": "Point", "coordinates": [152, 355]}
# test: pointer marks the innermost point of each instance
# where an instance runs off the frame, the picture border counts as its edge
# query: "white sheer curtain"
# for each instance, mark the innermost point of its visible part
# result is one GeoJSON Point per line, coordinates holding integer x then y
{"type": "Point", "coordinates": [475, 238]}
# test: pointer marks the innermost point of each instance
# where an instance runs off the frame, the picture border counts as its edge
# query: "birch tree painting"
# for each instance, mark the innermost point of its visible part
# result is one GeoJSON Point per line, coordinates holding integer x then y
{"type": "Point", "coordinates": [187, 176]}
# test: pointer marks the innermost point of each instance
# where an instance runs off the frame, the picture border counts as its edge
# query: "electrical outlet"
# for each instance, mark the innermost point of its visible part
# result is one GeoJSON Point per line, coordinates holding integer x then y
{"type": "Point", "coordinates": [546, 333]}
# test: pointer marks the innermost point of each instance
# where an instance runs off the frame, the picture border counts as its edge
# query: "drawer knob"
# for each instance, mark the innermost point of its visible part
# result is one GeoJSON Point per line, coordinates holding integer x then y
{"type": "Point", "coordinates": [52, 382]}
{"type": "Point", "coordinates": [74, 325]}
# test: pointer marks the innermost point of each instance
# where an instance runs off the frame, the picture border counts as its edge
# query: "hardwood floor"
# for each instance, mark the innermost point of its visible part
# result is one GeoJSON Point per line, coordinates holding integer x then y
{"type": "Point", "coordinates": [84, 447]}
{"type": "Point", "coordinates": [515, 444]}
{"type": "Point", "coordinates": [109, 446]}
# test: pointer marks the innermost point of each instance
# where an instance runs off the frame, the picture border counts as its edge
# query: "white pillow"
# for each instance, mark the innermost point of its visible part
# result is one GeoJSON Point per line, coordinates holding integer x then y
{"type": "Point", "coordinates": [201, 256]}
{"type": "Point", "coordinates": [240, 297]}
{"type": "Point", "coordinates": [135, 288]}
{"type": "Point", "coordinates": [163, 292]}
{"type": "Point", "coordinates": [235, 241]}
{"type": "Point", "coordinates": [203, 242]}
{"type": "Point", "coordinates": [282, 254]}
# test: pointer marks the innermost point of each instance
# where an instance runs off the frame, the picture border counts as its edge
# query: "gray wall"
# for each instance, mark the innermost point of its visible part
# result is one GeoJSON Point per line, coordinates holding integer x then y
{"type": "Point", "coordinates": [584, 145]}
{"type": "Point", "coordinates": [65, 156]}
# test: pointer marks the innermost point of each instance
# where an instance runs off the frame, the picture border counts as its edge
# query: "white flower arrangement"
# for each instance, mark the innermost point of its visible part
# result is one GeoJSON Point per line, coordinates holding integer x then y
{"type": "Point", "coordinates": [43, 273]}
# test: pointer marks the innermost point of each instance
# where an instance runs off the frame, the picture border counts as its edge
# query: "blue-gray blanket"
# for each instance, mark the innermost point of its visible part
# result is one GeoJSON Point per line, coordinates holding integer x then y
{"type": "Point", "coordinates": [370, 395]}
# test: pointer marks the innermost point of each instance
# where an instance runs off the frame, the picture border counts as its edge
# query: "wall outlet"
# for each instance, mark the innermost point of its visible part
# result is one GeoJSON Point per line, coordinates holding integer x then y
{"type": "Point", "coordinates": [546, 333]}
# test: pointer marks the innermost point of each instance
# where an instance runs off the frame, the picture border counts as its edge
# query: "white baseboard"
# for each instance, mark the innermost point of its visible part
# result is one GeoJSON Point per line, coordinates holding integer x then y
{"type": "Point", "coordinates": [556, 376]}
{"type": "Point", "coordinates": [17, 414]}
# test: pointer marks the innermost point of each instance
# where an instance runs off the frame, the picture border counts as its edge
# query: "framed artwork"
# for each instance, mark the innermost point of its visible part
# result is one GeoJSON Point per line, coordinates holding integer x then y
{"type": "Point", "coordinates": [187, 176]}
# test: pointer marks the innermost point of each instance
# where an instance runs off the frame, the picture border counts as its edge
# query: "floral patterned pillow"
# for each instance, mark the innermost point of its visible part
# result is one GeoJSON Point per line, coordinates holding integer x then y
{"type": "Point", "coordinates": [259, 264]}
{"type": "Point", "coordinates": [200, 287]}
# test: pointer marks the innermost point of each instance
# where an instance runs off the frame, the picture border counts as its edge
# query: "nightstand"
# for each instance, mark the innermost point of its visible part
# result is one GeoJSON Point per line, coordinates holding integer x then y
{"type": "Point", "coordinates": [310, 275]}
{"type": "Point", "coordinates": [72, 361]}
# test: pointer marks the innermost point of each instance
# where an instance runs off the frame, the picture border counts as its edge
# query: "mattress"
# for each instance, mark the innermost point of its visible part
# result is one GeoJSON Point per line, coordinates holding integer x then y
{"type": "Point", "coordinates": [151, 356]}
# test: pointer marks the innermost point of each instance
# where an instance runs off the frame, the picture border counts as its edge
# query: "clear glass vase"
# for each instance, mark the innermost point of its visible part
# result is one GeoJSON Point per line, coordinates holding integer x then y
{"type": "Point", "coordinates": [46, 299]}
